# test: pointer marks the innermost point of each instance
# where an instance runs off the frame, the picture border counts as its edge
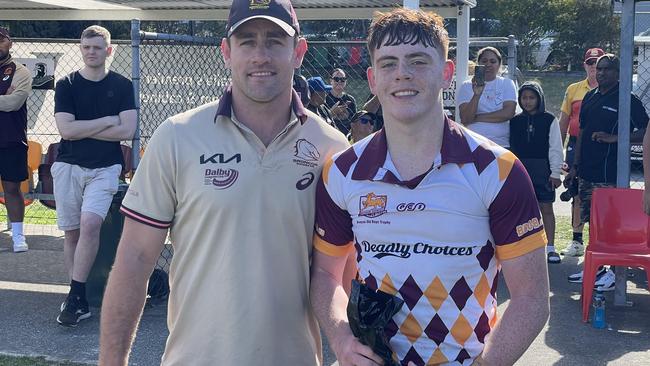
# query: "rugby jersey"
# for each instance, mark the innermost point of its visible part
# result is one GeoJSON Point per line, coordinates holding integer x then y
{"type": "Point", "coordinates": [435, 241]}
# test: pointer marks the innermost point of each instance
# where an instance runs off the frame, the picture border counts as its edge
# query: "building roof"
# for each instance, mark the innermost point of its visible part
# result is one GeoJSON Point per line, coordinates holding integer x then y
{"type": "Point", "coordinates": [200, 9]}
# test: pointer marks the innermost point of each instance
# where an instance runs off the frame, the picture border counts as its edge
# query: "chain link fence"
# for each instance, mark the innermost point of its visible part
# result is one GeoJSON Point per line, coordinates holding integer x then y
{"type": "Point", "coordinates": [174, 73]}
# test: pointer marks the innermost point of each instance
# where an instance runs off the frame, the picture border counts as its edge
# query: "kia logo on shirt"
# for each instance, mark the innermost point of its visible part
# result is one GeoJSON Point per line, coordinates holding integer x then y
{"type": "Point", "coordinates": [219, 158]}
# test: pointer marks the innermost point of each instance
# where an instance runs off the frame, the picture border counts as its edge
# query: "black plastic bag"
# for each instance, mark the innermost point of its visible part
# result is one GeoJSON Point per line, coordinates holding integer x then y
{"type": "Point", "coordinates": [369, 312]}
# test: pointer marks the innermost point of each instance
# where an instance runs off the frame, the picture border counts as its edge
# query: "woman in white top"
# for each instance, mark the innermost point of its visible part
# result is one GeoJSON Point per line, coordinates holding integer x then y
{"type": "Point", "coordinates": [488, 108]}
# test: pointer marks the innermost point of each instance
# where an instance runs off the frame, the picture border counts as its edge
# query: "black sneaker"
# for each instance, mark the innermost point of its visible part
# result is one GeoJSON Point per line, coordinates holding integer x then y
{"type": "Point", "coordinates": [73, 310]}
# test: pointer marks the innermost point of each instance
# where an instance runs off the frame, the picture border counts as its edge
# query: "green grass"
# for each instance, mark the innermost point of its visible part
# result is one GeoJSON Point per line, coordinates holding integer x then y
{"type": "Point", "coordinates": [564, 232]}
{"type": "Point", "coordinates": [33, 361]}
{"type": "Point", "coordinates": [34, 214]}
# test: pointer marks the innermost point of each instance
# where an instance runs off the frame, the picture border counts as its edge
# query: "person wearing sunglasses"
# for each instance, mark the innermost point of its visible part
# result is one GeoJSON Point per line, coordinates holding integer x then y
{"type": "Point", "coordinates": [341, 104]}
{"type": "Point", "coordinates": [361, 126]}
{"type": "Point", "coordinates": [569, 116]}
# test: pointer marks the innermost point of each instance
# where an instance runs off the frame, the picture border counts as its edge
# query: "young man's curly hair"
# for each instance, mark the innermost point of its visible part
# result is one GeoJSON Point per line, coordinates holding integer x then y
{"type": "Point", "coordinates": [405, 26]}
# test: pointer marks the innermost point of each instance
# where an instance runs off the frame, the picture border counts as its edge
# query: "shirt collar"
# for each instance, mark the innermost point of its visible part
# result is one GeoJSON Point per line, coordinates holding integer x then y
{"type": "Point", "coordinates": [455, 149]}
{"type": "Point", "coordinates": [225, 106]}
{"type": "Point", "coordinates": [614, 89]}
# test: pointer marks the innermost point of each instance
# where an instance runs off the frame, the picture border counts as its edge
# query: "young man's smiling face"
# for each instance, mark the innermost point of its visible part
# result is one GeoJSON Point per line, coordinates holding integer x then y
{"type": "Point", "coordinates": [408, 79]}
{"type": "Point", "coordinates": [261, 57]}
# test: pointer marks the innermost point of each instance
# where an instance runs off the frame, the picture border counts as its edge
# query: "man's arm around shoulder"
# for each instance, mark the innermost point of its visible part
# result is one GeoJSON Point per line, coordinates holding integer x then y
{"type": "Point", "coordinates": [137, 253]}
{"type": "Point", "coordinates": [527, 312]}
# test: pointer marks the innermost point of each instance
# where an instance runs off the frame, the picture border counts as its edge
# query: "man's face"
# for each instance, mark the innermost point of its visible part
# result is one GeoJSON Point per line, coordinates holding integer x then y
{"type": "Point", "coordinates": [606, 74]}
{"type": "Point", "coordinates": [5, 46]}
{"type": "Point", "coordinates": [338, 81]}
{"type": "Point", "coordinates": [262, 57]}
{"type": "Point", "coordinates": [94, 51]}
{"type": "Point", "coordinates": [408, 79]}
{"type": "Point", "coordinates": [361, 127]}
{"type": "Point", "coordinates": [590, 68]}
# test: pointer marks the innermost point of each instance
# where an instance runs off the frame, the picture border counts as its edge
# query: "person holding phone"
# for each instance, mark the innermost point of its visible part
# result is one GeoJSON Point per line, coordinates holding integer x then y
{"type": "Point", "coordinates": [487, 102]}
{"type": "Point", "coordinates": [341, 104]}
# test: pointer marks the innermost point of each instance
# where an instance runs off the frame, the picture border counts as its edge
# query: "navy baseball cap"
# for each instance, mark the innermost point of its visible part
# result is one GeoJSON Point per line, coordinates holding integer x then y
{"type": "Point", "coordinates": [279, 12]}
{"type": "Point", "coordinates": [318, 85]}
{"type": "Point", "coordinates": [4, 33]}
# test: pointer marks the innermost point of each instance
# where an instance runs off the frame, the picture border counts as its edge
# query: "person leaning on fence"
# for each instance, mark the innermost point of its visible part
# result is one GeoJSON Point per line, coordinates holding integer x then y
{"type": "Point", "coordinates": [535, 139]}
{"type": "Point", "coordinates": [596, 157]}
{"type": "Point", "coordinates": [15, 86]}
{"type": "Point", "coordinates": [94, 109]}
{"type": "Point", "coordinates": [341, 104]}
{"type": "Point", "coordinates": [569, 122]}
{"type": "Point", "coordinates": [432, 210]}
{"type": "Point", "coordinates": [487, 108]}
{"type": "Point", "coordinates": [233, 182]}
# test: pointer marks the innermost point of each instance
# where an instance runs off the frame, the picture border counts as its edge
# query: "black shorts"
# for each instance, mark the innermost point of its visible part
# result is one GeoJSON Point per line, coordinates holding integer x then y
{"type": "Point", "coordinates": [545, 193]}
{"type": "Point", "coordinates": [13, 164]}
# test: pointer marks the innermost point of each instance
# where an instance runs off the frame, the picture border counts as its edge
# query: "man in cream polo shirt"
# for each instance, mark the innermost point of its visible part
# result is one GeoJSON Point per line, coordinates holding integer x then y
{"type": "Point", "coordinates": [234, 183]}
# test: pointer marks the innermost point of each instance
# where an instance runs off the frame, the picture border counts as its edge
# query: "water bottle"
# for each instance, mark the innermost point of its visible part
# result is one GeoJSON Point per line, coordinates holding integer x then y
{"type": "Point", "coordinates": [598, 320]}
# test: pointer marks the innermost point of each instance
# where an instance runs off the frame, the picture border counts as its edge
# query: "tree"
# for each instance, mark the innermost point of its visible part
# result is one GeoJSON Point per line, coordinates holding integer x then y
{"type": "Point", "coordinates": [582, 25]}
{"type": "Point", "coordinates": [528, 20]}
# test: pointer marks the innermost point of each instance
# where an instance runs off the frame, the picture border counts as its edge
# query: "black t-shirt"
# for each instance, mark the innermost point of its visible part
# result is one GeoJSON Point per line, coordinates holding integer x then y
{"type": "Point", "coordinates": [88, 100]}
{"type": "Point", "coordinates": [599, 112]}
{"type": "Point", "coordinates": [342, 124]}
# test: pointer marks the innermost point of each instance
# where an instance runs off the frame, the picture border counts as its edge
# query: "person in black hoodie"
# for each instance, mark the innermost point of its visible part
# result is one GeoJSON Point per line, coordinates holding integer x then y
{"type": "Point", "coordinates": [535, 139]}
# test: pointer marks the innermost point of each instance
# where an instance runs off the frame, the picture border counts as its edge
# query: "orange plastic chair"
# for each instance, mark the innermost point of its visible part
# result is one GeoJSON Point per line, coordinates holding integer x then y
{"type": "Point", "coordinates": [34, 154]}
{"type": "Point", "coordinates": [618, 235]}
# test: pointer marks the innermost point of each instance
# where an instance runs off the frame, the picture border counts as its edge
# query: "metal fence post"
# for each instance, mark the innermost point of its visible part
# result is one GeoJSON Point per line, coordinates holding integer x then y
{"type": "Point", "coordinates": [135, 77]}
{"type": "Point", "coordinates": [512, 57]}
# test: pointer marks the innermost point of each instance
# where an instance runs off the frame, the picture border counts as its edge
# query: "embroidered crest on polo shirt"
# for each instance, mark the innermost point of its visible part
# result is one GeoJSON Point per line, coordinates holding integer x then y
{"type": "Point", "coordinates": [220, 178]}
{"type": "Point", "coordinates": [306, 153]}
{"type": "Point", "coordinates": [372, 205]}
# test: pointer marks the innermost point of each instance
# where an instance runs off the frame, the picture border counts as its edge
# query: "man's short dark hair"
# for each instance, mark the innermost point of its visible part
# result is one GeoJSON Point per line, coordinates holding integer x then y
{"type": "Point", "coordinates": [407, 26]}
{"type": "Point", "coordinates": [97, 31]}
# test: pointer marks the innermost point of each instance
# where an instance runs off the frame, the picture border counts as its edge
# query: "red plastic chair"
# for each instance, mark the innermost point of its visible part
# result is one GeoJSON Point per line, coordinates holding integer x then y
{"type": "Point", "coordinates": [618, 235]}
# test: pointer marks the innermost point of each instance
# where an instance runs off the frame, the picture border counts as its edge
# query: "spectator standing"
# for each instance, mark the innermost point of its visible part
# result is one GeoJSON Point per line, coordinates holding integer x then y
{"type": "Point", "coordinates": [569, 122]}
{"type": "Point", "coordinates": [488, 108]}
{"type": "Point", "coordinates": [15, 86]}
{"type": "Point", "coordinates": [94, 109]}
{"type": "Point", "coordinates": [595, 160]}
{"type": "Point", "coordinates": [535, 139]}
{"type": "Point", "coordinates": [317, 93]}
{"type": "Point", "coordinates": [361, 126]}
{"type": "Point", "coordinates": [233, 182]}
{"type": "Point", "coordinates": [432, 210]}
{"type": "Point", "coordinates": [341, 104]}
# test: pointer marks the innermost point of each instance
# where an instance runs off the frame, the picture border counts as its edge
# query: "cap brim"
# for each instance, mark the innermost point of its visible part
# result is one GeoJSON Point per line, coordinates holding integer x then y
{"type": "Point", "coordinates": [286, 27]}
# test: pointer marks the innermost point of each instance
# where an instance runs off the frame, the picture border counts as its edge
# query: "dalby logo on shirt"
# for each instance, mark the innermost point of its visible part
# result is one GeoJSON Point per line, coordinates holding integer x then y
{"type": "Point", "coordinates": [220, 178]}
{"type": "Point", "coordinates": [526, 227]}
{"type": "Point", "coordinates": [372, 205]}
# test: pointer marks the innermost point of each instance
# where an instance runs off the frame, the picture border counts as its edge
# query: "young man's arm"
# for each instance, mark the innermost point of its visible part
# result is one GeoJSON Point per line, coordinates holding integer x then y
{"type": "Point", "coordinates": [527, 312]}
{"type": "Point", "coordinates": [121, 132]}
{"type": "Point", "coordinates": [646, 172]}
{"type": "Point", "coordinates": [126, 290]}
{"type": "Point", "coordinates": [329, 301]}
{"type": "Point", "coordinates": [72, 129]}
{"type": "Point", "coordinates": [18, 92]}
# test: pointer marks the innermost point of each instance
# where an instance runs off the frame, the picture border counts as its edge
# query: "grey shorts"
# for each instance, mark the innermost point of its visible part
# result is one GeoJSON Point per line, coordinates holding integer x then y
{"type": "Point", "coordinates": [78, 189]}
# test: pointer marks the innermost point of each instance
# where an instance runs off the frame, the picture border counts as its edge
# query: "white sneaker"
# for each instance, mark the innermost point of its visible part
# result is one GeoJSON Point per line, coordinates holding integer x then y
{"type": "Point", "coordinates": [575, 249]}
{"type": "Point", "coordinates": [607, 282]}
{"type": "Point", "coordinates": [577, 277]}
{"type": "Point", "coordinates": [20, 245]}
